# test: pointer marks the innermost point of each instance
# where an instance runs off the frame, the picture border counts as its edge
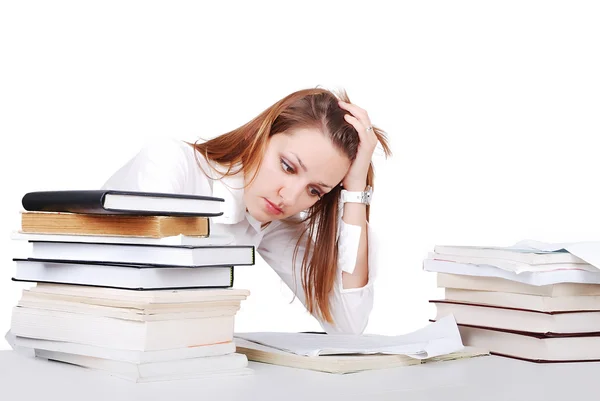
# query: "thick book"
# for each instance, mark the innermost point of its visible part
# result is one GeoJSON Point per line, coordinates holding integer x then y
{"type": "Point", "coordinates": [555, 322]}
{"type": "Point", "coordinates": [527, 256]}
{"type": "Point", "coordinates": [131, 356]}
{"type": "Point", "coordinates": [540, 348]}
{"type": "Point", "coordinates": [134, 299]}
{"type": "Point", "coordinates": [122, 202]}
{"type": "Point", "coordinates": [116, 225]}
{"type": "Point", "coordinates": [147, 314]}
{"type": "Point", "coordinates": [212, 240]}
{"type": "Point", "coordinates": [130, 309]}
{"type": "Point", "coordinates": [126, 276]}
{"type": "Point", "coordinates": [490, 284]}
{"type": "Point", "coordinates": [159, 255]}
{"type": "Point", "coordinates": [524, 301]}
{"type": "Point", "coordinates": [133, 332]}
{"type": "Point", "coordinates": [205, 367]}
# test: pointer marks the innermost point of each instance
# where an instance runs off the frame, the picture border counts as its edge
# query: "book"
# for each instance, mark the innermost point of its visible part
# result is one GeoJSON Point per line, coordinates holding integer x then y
{"type": "Point", "coordinates": [133, 299]}
{"type": "Point", "coordinates": [149, 314]}
{"type": "Point", "coordinates": [212, 240]}
{"type": "Point", "coordinates": [524, 301]}
{"type": "Point", "coordinates": [205, 367]}
{"type": "Point", "coordinates": [131, 333]}
{"type": "Point", "coordinates": [531, 278]}
{"type": "Point", "coordinates": [489, 284]}
{"type": "Point", "coordinates": [116, 225]}
{"type": "Point", "coordinates": [324, 363]}
{"type": "Point", "coordinates": [132, 356]}
{"type": "Point", "coordinates": [533, 347]}
{"type": "Point", "coordinates": [527, 256]}
{"type": "Point", "coordinates": [126, 276]}
{"type": "Point", "coordinates": [79, 304]}
{"type": "Point", "coordinates": [528, 320]}
{"type": "Point", "coordinates": [122, 202]}
{"type": "Point", "coordinates": [159, 255]}
{"type": "Point", "coordinates": [341, 364]}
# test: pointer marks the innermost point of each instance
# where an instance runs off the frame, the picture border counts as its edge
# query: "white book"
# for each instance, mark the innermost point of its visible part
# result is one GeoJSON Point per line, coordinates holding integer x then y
{"type": "Point", "coordinates": [141, 315]}
{"type": "Point", "coordinates": [519, 319]}
{"type": "Point", "coordinates": [210, 366]}
{"type": "Point", "coordinates": [119, 297]}
{"type": "Point", "coordinates": [180, 255]}
{"type": "Point", "coordinates": [524, 301]}
{"type": "Point", "coordinates": [493, 284]}
{"type": "Point", "coordinates": [528, 256]}
{"type": "Point", "coordinates": [131, 356]}
{"type": "Point", "coordinates": [212, 240]}
{"type": "Point", "coordinates": [120, 333]}
{"type": "Point", "coordinates": [128, 276]}
{"type": "Point", "coordinates": [532, 278]}
{"type": "Point", "coordinates": [133, 306]}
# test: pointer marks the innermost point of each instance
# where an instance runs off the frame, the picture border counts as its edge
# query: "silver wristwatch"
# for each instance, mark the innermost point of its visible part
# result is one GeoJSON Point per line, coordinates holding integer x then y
{"type": "Point", "coordinates": [357, 196]}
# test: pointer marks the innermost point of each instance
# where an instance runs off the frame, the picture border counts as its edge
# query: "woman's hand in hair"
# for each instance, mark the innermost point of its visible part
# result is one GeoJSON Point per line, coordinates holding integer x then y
{"type": "Point", "coordinates": [356, 178]}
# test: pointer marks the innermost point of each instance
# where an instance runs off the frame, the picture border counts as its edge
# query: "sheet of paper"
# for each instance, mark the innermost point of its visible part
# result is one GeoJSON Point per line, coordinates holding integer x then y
{"type": "Point", "coordinates": [532, 278]}
{"type": "Point", "coordinates": [588, 251]}
{"type": "Point", "coordinates": [513, 266]}
{"type": "Point", "coordinates": [439, 338]}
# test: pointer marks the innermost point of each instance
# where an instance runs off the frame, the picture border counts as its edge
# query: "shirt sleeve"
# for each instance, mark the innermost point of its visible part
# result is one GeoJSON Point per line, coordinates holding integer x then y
{"type": "Point", "coordinates": [351, 307]}
{"type": "Point", "coordinates": [160, 166]}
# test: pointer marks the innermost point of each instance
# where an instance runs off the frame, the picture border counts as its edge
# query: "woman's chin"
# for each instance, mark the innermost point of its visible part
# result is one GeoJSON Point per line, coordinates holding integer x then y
{"type": "Point", "coordinates": [260, 215]}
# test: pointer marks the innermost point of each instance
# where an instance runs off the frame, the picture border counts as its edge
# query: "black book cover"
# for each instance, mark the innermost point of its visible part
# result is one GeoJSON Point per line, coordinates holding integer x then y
{"type": "Point", "coordinates": [92, 202]}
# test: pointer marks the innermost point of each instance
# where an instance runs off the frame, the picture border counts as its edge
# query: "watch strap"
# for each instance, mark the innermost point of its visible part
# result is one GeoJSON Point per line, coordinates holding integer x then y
{"type": "Point", "coordinates": [357, 196]}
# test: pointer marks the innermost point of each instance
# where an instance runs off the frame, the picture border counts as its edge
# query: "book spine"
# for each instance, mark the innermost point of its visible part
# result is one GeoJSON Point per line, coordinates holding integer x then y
{"type": "Point", "coordinates": [64, 201]}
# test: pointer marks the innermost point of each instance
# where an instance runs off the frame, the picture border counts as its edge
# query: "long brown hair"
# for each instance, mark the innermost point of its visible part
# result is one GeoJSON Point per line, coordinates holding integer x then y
{"type": "Point", "coordinates": [246, 145]}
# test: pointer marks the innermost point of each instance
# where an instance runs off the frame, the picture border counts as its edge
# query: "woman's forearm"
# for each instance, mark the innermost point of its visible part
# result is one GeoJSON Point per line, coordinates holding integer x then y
{"type": "Point", "coordinates": [356, 214]}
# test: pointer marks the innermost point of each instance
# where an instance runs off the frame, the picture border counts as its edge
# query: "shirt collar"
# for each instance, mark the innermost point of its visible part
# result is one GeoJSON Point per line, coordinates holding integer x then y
{"type": "Point", "coordinates": [231, 189]}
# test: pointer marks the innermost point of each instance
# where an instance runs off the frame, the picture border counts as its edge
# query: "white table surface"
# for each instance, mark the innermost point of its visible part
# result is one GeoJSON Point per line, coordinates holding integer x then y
{"type": "Point", "coordinates": [482, 378]}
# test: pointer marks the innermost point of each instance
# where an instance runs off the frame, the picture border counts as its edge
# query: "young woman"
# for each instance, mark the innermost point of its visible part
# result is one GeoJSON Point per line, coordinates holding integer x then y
{"type": "Point", "coordinates": [297, 182]}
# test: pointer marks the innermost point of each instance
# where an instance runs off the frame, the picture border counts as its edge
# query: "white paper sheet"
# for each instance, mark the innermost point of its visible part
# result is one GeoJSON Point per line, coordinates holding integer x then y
{"type": "Point", "coordinates": [513, 266]}
{"type": "Point", "coordinates": [588, 251]}
{"type": "Point", "coordinates": [531, 278]}
{"type": "Point", "coordinates": [439, 338]}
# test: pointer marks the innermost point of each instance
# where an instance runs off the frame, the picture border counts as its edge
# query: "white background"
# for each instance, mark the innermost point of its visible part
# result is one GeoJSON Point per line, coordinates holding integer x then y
{"type": "Point", "coordinates": [492, 110]}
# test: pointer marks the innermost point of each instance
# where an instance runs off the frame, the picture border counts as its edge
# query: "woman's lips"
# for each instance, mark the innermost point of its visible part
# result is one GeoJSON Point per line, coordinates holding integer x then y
{"type": "Point", "coordinates": [271, 208]}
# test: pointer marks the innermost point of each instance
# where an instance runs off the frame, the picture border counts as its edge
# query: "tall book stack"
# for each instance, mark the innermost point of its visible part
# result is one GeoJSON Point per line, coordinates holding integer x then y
{"type": "Point", "coordinates": [520, 303]}
{"type": "Point", "coordinates": [129, 283]}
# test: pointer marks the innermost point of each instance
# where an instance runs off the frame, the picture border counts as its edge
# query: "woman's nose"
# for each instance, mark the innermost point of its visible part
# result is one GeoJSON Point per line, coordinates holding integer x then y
{"type": "Point", "coordinates": [290, 194]}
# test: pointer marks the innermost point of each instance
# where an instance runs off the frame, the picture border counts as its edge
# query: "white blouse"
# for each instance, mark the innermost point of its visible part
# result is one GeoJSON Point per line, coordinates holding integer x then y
{"type": "Point", "coordinates": [171, 166]}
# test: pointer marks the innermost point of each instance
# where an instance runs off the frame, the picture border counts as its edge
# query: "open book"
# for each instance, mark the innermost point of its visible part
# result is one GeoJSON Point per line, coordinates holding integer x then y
{"type": "Point", "coordinates": [343, 353]}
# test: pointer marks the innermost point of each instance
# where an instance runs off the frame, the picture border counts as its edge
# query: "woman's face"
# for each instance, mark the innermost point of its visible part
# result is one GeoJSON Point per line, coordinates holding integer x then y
{"type": "Point", "coordinates": [298, 167]}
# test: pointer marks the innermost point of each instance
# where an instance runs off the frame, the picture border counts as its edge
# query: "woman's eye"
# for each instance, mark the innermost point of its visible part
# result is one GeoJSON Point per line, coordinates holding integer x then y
{"type": "Point", "coordinates": [314, 192]}
{"type": "Point", "coordinates": [286, 167]}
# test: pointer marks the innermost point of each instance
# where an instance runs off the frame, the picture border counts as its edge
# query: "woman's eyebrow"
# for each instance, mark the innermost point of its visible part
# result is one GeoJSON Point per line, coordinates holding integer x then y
{"type": "Point", "coordinates": [306, 170]}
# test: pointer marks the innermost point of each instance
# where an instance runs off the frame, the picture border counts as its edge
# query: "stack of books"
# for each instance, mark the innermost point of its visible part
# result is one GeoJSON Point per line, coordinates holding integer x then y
{"type": "Point", "coordinates": [129, 283]}
{"type": "Point", "coordinates": [521, 303]}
